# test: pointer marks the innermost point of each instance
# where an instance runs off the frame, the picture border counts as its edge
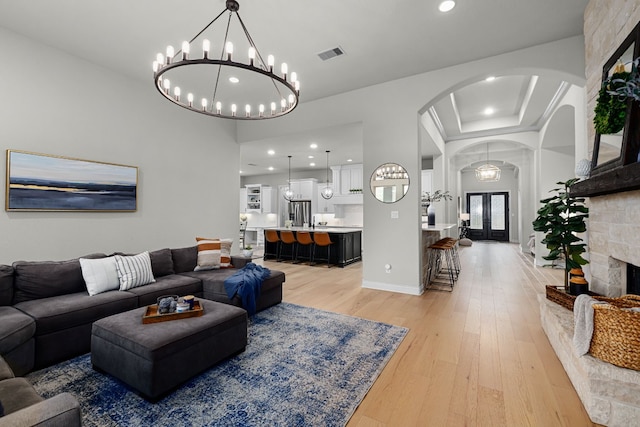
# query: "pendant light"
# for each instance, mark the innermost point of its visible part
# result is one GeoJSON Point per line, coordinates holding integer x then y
{"type": "Point", "coordinates": [288, 193]}
{"type": "Point", "coordinates": [488, 172]}
{"type": "Point", "coordinates": [327, 191]}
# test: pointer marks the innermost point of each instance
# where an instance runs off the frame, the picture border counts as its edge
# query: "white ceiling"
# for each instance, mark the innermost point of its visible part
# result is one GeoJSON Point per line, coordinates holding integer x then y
{"type": "Point", "coordinates": [383, 40]}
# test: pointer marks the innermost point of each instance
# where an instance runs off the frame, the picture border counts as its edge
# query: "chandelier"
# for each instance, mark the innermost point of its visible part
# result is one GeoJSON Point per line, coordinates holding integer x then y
{"type": "Point", "coordinates": [222, 86]}
{"type": "Point", "coordinates": [288, 192]}
{"type": "Point", "coordinates": [488, 172]}
{"type": "Point", "coordinates": [327, 191]}
{"type": "Point", "coordinates": [391, 172]}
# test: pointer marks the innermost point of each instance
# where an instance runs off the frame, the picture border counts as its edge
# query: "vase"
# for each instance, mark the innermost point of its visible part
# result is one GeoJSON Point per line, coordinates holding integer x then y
{"type": "Point", "coordinates": [247, 253]}
{"type": "Point", "coordinates": [431, 215]}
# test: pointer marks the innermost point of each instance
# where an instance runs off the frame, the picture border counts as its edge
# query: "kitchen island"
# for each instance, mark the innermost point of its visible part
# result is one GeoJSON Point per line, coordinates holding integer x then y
{"type": "Point", "coordinates": [346, 248]}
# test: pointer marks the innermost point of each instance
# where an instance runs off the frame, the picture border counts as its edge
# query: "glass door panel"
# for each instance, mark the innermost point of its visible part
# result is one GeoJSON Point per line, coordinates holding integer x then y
{"type": "Point", "coordinates": [497, 211]}
{"type": "Point", "coordinates": [476, 211]}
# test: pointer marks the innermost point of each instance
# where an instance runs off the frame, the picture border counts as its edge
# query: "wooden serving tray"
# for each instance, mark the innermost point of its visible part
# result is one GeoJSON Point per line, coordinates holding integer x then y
{"type": "Point", "coordinates": [152, 315]}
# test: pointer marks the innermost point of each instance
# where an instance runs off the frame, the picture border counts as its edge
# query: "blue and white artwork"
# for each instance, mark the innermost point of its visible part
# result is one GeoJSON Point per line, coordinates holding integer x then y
{"type": "Point", "coordinates": [44, 182]}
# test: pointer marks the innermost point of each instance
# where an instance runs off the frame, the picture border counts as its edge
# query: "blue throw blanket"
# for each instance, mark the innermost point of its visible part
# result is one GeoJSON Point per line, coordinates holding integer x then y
{"type": "Point", "coordinates": [247, 282]}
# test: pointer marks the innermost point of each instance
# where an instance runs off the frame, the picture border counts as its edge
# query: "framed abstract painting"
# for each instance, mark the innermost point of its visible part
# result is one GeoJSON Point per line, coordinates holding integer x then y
{"type": "Point", "coordinates": [42, 182]}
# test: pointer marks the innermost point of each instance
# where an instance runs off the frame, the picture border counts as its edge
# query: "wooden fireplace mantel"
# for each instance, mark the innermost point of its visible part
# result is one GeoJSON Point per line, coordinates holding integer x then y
{"type": "Point", "coordinates": [624, 178]}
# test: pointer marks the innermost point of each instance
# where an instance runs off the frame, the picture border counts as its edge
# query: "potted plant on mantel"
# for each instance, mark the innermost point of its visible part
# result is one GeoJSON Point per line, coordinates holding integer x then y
{"type": "Point", "coordinates": [562, 217]}
{"type": "Point", "coordinates": [428, 199]}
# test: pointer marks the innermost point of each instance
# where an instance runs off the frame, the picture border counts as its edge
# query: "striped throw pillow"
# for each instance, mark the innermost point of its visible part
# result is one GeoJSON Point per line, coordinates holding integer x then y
{"type": "Point", "coordinates": [209, 254]}
{"type": "Point", "coordinates": [134, 271]}
{"type": "Point", "coordinates": [225, 253]}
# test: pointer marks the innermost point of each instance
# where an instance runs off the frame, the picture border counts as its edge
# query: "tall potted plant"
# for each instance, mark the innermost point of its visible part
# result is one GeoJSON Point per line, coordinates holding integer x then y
{"type": "Point", "coordinates": [562, 216]}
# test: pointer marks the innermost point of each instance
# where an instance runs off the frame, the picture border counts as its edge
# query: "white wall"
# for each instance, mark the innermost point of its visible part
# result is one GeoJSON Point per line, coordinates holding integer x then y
{"type": "Point", "coordinates": [54, 103]}
{"type": "Point", "coordinates": [391, 128]}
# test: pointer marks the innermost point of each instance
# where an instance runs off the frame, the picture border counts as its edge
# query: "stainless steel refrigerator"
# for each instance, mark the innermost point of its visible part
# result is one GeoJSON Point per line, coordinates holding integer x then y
{"type": "Point", "coordinates": [300, 212]}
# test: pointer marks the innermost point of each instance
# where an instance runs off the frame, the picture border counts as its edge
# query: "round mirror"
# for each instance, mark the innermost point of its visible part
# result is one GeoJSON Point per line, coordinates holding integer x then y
{"type": "Point", "coordinates": [389, 183]}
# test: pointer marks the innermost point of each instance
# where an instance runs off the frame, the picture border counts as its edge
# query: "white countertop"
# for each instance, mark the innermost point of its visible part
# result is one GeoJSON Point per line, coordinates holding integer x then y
{"type": "Point", "coordinates": [437, 227]}
{"type": "Point", "coordinates": [335, 230]}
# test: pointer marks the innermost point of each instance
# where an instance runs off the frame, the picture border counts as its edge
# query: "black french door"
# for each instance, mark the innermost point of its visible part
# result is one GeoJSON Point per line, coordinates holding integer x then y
{"type": "Point", "coordinates": [489, 216]}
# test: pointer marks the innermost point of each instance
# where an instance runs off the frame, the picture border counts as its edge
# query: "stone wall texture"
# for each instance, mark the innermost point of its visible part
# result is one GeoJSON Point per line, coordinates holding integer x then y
{"type": "Point", "coordinates": [613, 226]}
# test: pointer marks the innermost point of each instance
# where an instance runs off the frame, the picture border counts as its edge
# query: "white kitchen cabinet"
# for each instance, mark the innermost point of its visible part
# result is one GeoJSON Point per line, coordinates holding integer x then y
{"type": "Point", "coordinates": [347, 178]}
{"type": "Point", "coordinates": [258, 198]}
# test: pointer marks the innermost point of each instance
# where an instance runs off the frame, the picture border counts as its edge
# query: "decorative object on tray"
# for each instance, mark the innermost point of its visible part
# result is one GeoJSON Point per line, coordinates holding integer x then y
{"type": "Point", "coordinates": [615, 331]}
{"type": "Point", "coordinates": [561, 217]}
{"type": "Point", "coordinates": [182, 309]}
{"type": "Point", "coordinates": [167, 304]}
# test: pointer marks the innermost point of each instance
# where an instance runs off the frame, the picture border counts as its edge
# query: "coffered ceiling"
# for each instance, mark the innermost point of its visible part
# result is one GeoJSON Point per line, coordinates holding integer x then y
{"type": "Point", "coordinates": [382, 41]}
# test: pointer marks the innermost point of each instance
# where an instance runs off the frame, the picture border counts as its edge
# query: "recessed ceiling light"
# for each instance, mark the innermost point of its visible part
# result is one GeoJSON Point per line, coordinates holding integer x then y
{"type": "Point", "coordinates": [271, 152]}
{"type": "Point", "coordinates": [310, 157]}
{"type": "Point", "coordinates": [312, 164]}
{"type": "Point", "coordinates": [234, 79]}
{"type": "Point", "coordinates": [489, 111]}
{"type": "Point", "coordinates": [240, 171]}
{"type": "Point", "coordinates": [490, 78]}
{"type": "Point", "coordinates": [349, 160]}
{"type": "Point", "coordinates": [446, 5]}
{"type": "Point", "coordinates": [270, 168]}
{"type": "Point", "coordinates": [314, 146]}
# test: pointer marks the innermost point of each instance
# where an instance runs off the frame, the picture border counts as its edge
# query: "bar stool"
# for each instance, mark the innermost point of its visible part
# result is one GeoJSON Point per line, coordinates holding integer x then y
{"type": "Point", "coordinates": [322, 239]}
{"type": "Point", "coordinates": [304, 239]}
{"type": "Point", "coordinates": [441, 258]}
{"type": "Point", "coordinates": [287, 238]}
{"type": "Point", "coordinates": [271, 236]}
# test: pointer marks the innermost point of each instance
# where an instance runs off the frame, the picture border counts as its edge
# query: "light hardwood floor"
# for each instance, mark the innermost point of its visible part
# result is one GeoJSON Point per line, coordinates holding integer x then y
{"type": "Point", "coordinates": [476, 356]}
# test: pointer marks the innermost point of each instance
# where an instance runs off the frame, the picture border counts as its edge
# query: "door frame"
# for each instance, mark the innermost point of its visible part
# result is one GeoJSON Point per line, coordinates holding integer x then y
{"type": "Point", "coordinates": [486, 233]}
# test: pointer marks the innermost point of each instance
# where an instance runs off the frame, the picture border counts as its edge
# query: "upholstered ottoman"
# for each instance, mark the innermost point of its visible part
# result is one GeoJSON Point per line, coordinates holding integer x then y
{"type": "Point", "coordinates": [157, 357]}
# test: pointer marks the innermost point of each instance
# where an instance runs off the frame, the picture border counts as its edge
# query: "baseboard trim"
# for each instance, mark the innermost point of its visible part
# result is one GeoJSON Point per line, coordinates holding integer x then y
{"type": "Point", "coordinates": [403, 289]}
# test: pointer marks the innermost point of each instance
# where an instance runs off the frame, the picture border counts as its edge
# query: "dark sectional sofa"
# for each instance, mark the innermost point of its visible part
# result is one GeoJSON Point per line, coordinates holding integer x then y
{"type": "Point", "coordinates": [46, 313]}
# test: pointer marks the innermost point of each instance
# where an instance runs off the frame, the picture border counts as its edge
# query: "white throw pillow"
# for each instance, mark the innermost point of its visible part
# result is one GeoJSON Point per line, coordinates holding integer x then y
{"type": "Point", "coordinates": [134, 271]}
{"type": "Point", "coordinates": [100, 274]}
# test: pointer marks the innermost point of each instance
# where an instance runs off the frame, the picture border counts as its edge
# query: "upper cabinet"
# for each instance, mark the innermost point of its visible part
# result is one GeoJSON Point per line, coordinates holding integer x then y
{"type": "Point", "coordinates": [347, 184]}
{"type": "Point", "coordinates": [349, 178]}
{"type": "Point", "coordinates": [257, 198]}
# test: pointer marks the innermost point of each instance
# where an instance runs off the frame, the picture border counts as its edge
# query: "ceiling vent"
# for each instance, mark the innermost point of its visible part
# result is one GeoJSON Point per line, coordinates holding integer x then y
{"type": "Point", "coordinates": [331, 53]}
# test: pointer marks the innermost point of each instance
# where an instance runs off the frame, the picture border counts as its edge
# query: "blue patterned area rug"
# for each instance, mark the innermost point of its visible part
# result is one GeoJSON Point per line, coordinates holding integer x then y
{"type": "Point", "coordinates": [302, 367]}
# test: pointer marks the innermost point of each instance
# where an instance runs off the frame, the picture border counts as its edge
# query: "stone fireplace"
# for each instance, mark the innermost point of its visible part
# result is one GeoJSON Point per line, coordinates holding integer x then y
{"type": "Point", "coordinates": [614, 240]}
{"type": "Point", "coordinates": [611, 395]}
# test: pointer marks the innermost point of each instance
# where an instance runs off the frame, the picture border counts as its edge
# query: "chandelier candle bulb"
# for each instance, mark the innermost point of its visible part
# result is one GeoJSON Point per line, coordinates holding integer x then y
{"type": "Point", "coordinates": [229, 49]}
{"type": "Point", "coordinates": [160, 59]}
{"type": "Point", "coordinates": [270, 62]}
{"type": "Point", "coordinates": [273, 108]}
{"type": "Point", "coordinates": [185, 50]}
{"type": "Point", "coordinates": [167, 85]}
{"type": "Point", "coordinates": [204, 104]}
{"type": "Point", "coordinates": [155, 66]}
{"type": "Point", "coordinates": [234, 108]}
{"type": "Point", "coordinates": [297, 86]}
{"type": "Point", "coordinates": [261, 110]}
{"type": "Point", "coordinates": [176, 92]}
{"type": "Point", "coordinates": [284, 69]}
{"type": "Point", "coordinates": [252, 55]}
{"type": "Point", "coordinates": [206, 46]}
{"type": "Point", "coordinates": [170, 53]}
{"type": "Point", "coordinates": [218, 107]}
{"type": "Point", "coordinates": [294, 77]}
{"type": "Point", "coordinates": [190, 99]}
{"type": "Point", "coordinates": [247, 110]}
{"type": "Point", "coordinates": [291, 99]}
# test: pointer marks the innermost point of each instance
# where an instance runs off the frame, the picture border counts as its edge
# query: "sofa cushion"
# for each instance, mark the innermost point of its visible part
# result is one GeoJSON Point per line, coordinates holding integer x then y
{"type": "Point", "coordinates": [63, 312]}
{"type": "Point", "coordinates": [209, 251]}
{"type": "Point", "coordinates": [6, 284]}
{"type": "Point", "coordinates": [184, 259]}
{"type": "Point", "coordinates": [161, 262]}
{"type": "Point", "coordinates": [213, 281]}
{"type": "Point", "coordinates": [44, 279]}
{"type": "Point", "coordinates": [167, 285]}
{"type": "Point", "coordinates": [134, 270]}
{"type": "Point", "coordinates": [16, 328]}
{"type": "Point", "coordinates": [100, 275]}
{"type": "Point", "coordinates": [17, 393]}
